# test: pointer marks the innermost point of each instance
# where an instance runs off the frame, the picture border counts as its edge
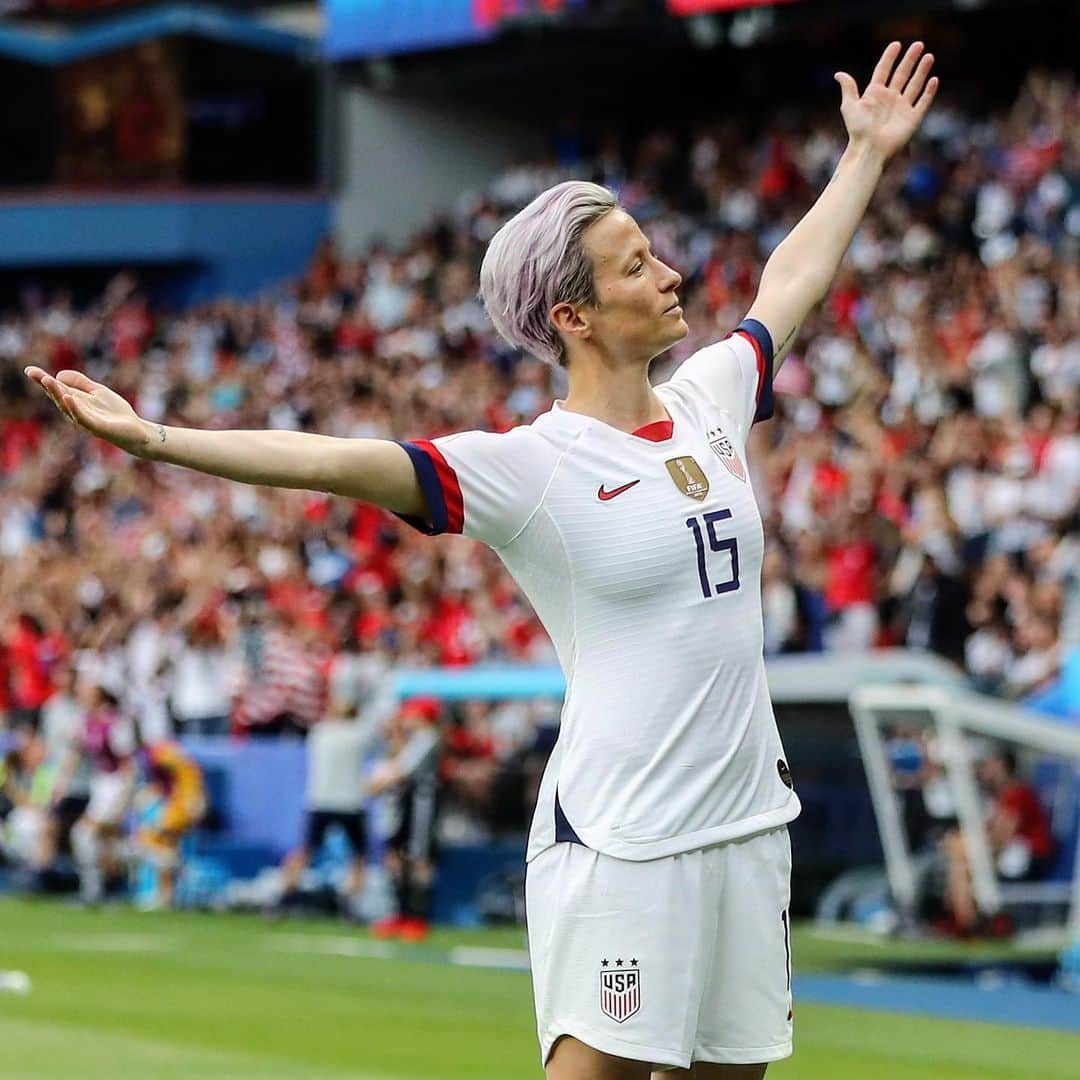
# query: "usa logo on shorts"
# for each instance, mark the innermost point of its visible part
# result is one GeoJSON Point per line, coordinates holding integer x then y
{"type": "Point", "coordinates": [723, 449]}
{"type": "Point", "coordinates": [620, 989]}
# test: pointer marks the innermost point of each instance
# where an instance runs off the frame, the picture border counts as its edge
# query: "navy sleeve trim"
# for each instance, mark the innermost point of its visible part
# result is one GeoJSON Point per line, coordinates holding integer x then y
{"type": "Point", "coordinates": [428, 478]}
{"type": "Point", "coordinates": [762, 340]}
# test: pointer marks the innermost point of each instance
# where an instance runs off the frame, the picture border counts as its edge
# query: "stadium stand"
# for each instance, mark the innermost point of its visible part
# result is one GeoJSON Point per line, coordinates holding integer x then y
{"type": "Point", "coordinates": [958, 374]}
{"type": "Point", "coordinates": [919, 486]}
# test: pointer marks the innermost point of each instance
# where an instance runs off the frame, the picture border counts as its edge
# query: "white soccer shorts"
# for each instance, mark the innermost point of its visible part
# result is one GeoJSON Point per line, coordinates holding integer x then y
{"type": "Point", "coordinates": [670, 961]}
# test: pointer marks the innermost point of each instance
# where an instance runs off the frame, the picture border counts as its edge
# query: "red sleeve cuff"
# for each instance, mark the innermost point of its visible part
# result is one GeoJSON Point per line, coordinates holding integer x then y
{"type": "Point", "coordinates": [442, 491]}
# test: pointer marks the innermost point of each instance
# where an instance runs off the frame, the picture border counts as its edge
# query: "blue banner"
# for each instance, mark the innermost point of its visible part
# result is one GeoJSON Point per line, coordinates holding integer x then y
{"type": "Point", "coordinates": [359, 28]}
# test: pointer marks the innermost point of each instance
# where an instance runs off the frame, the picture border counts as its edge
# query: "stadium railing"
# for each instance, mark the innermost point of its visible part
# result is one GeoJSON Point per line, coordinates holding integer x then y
{"type": "Point", "coordinates": [955, 715]}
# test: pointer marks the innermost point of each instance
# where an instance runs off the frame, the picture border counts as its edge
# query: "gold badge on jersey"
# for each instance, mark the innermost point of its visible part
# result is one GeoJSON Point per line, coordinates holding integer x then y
{"type": "Point", "coordinates": [688, 477]}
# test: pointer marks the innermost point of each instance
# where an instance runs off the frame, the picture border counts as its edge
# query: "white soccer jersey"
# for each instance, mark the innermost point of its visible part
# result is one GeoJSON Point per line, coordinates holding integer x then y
{"type": "Point", "coordinates": [641, 553]}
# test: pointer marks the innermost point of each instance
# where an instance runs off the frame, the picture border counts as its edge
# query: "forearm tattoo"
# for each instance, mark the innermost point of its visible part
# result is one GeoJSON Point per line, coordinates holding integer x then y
{"type": "Point", "coordinates": [161, 432]}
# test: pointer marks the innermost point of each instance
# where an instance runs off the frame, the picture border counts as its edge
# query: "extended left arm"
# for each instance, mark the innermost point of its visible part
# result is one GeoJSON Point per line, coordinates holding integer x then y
{"type": "Point", "coordinates": [800, 271]}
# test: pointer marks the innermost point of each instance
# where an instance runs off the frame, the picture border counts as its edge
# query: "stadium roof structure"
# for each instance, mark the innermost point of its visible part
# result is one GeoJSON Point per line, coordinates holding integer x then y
{"type": "Point", "coordinates": [53, 45]}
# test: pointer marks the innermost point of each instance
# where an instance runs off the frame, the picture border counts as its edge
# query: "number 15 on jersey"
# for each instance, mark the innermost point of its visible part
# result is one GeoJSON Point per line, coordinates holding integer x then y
{"type": "Point", "coordinates": [705, 527]}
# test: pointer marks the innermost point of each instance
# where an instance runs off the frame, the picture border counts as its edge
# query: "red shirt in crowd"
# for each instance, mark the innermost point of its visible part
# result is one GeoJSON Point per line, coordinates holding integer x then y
{"type": "Point", "coordinates": [843, 302]}
{"type": "Point", "coordinates": [19, 438]}
{"type": "Point", "coordinates": [131, 327]}
{"type": "Point", "coordinates": [30, 656]}
{"type": "Point", "coordinates": [830, 480]}
{"type": "Point", "coordinates": [452, 628]}
{"type": "Point", "coordinates": [1021, 802]}
{"type": "Point", "coordinates": [850, 575]}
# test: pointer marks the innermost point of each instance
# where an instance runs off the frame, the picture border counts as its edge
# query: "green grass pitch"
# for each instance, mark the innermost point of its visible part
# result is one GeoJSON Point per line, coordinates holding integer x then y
{"type": "Point", "coordinates": [126, 996]}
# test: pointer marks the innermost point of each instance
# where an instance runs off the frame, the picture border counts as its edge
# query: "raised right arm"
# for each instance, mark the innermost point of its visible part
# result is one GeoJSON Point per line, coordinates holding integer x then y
{"type": "Point", "coordinates": [373, 470]}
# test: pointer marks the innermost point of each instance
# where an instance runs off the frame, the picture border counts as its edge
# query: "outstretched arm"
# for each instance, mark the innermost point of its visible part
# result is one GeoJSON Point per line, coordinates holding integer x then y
{"type": "Point", "coordinates": [374, 470]}
{"type": "Point", "coordinates": [879, 123]}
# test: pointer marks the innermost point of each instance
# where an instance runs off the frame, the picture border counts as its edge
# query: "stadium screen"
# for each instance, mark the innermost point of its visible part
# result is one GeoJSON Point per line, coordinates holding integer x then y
{"type": "Point", "coordinates": [358, 28]}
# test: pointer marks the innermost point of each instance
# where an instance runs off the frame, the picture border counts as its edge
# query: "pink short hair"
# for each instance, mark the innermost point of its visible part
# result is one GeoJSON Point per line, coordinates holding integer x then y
{"type": "Point", "coordinates": [536, 260]}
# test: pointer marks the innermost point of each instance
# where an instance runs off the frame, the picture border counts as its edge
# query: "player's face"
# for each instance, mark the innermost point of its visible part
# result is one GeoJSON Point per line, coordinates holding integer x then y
{"type": "Point", "coordinates": [638, 311]}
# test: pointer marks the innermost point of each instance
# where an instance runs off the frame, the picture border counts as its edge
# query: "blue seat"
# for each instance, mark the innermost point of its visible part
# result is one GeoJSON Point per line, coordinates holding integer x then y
{"type": "Point", "coordinates": [1057, 783]}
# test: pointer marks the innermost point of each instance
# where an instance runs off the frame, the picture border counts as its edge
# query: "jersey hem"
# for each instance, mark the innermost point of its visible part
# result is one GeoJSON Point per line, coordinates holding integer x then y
{"type": "Point", "coordinates": [644, 850]}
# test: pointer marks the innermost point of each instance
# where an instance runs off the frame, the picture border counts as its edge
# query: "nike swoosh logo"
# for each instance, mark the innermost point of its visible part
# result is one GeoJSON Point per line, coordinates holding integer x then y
{"type": "Point", "coordinates": [605, 495]}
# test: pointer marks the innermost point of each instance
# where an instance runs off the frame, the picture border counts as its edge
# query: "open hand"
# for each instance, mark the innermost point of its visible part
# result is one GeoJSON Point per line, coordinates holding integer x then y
{"type": "Point", "coordinates": [894, 103]}
{"type": "Point", "coordinates": [94, 408]}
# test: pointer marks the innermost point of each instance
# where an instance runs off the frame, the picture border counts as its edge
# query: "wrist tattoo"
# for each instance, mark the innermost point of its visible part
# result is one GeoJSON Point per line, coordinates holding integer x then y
{"type": "Point", "coordinates": [161, 432]}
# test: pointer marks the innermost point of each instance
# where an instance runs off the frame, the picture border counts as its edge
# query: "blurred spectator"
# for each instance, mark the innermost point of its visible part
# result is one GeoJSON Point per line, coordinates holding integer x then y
{"type": "Point", "coordinates": [150, 647]}
{"type": "Point", "coordinates": [284, 692]}
{"type": "Point", "coordinates": [471, 763]}
{"type": "Point", "coordinates": [851, 588]}
{"type": "Point", "coordinates": [62, 720]}
{"type": "Point", "coordinates": [23, 801]}
{"type": "Point", "coordinates": [107, 739]}
{"type": "Point", "coordinates": [936, 612]}
{"type": "Point", "coordinates": [30, 653]}
{"type": "Point", "coordinates": [336, 749]}
{"type": "Point", "coordinates": [409, 774]}
{"type": "Point", "coordinates": [779, 604]}
{"type": "Point", "coordinates": [169, 803]}
{"type": "Point", "coordinates": [1018, 831]}
{"type": "Point", "coordinates": [200, 678]}
{"type": "Point", "coordinates": [919, 777]}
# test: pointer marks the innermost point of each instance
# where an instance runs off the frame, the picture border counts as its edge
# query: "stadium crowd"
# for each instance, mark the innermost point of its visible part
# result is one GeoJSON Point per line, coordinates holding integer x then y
{"type": "Point", "coordinates": [919, 484]}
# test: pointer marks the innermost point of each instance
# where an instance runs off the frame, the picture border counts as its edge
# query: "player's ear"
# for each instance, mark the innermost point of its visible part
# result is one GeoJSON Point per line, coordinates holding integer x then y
{"type": "Point", "coordinates": [570, 320]}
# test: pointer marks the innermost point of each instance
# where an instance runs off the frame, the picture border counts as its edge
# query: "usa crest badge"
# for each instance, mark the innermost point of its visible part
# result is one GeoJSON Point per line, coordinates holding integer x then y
{"type": "Point", "coordinates": [620, 989]}
{"type": "Point", "coordinates": [724, 449]}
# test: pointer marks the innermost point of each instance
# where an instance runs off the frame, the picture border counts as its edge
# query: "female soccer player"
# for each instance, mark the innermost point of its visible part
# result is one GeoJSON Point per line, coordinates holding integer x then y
{"type": "Point", "coordinates": [659, 861]}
